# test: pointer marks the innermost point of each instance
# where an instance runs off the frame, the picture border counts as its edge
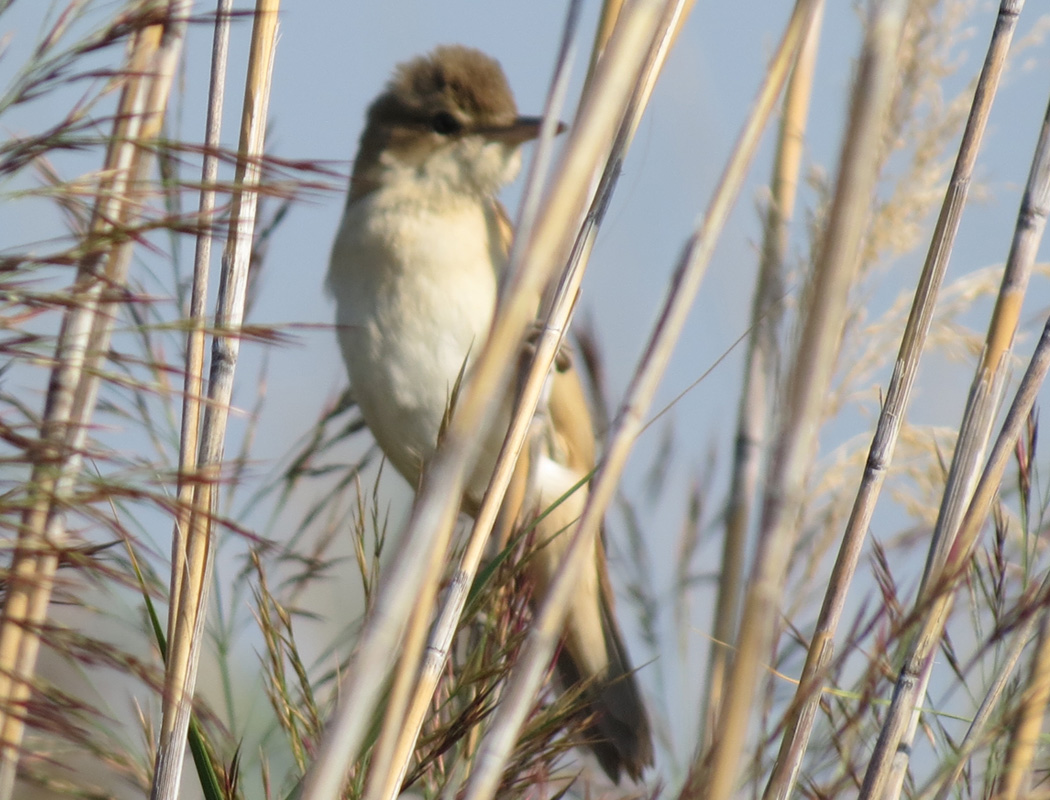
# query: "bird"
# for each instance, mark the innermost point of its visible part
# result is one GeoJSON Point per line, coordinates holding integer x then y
{"type": "Point", "coordinates": [415, 272]}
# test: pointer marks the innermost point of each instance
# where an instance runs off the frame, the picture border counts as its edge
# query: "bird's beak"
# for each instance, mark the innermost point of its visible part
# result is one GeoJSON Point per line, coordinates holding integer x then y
{"type": "Point", "coordinates": [521, 130]}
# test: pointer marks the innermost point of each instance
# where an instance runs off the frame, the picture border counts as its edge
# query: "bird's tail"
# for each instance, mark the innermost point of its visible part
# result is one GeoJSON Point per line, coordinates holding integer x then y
{"type": "Point", "coordinates": [592, 655]}
{"type": "Point", "coordinates": [618, 733]}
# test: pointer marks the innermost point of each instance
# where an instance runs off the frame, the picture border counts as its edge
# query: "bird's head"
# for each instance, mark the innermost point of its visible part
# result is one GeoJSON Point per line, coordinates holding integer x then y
{"type": "Point", "coordinates": [447, 120]}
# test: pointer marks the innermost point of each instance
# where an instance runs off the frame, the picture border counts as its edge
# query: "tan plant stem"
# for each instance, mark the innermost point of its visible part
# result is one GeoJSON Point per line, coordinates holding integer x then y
{"type": "Point", "coordinates": [990, 702]}
{"type": "Point", "coordinates": [821, 650]}
{"type": "Point", "coordinates": [606, 23]}
{"type": "Point", "coordinates": [805, 394]}
{"type": "Point", "coordinates": [82, 347]}
{"type": "Point", "coordinates": [527, 673]}
{"type": "Point", "coordinates": [193, 379]}
{"type": "Point", "coordinates": [886, 770]}
{"type": "Point", "coordinates": [190, 611]}
{"type": "Point", "coordinates": [760, 373]}
{"type": "Point", "coordinates": [1027, 726]}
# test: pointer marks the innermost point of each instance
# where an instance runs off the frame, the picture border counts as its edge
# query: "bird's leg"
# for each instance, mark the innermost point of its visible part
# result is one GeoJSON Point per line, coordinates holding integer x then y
{"type": "Point", "coordinates": [564, 358]}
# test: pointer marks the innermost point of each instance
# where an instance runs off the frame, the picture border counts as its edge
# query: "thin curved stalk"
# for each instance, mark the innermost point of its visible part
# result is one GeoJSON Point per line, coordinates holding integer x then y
{"type": "Point", "coordinates": [528, 672]}
{"type": "Point", "coordinates": [606, 22]}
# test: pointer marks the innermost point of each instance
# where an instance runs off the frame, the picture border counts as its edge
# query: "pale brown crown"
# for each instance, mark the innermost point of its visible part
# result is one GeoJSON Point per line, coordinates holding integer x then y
{"type": "Point", "coordinates": [431, 100]}
{"type": "Point", "coordinates": [453, 78]}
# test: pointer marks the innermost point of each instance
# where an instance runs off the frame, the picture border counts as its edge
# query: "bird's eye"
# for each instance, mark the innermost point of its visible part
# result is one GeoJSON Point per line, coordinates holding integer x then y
{"type": "Point", "coordinates": [445, 124]}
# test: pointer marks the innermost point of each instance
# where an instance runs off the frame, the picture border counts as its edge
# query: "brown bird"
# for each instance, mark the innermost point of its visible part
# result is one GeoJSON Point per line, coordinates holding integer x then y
{"type": "Point", "coordinates": [415, 271]}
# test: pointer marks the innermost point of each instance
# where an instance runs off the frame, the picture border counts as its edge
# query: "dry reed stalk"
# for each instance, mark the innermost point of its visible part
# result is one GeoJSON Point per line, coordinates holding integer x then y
{"type": "Point", "coordinates": [558, 306]}
{"type": "Point", "coordinates": [393, 753]}
{"type": "Point", "coordinates": [821, 648]}
{"type": "Point", "coordinates": [390, 759]}
{"type": "Point", "coordinates": [186, 618]}
{"type": "Point", "coordinates": [760, 373]}
{"type": "Point", "coordinates": [527, 673]}
{"type": "Point", "coordinates": [194, 377]}
{"type": "Point", "coordinates": [82, 346]}
{"type": "Point", "coordinates": [393, 766]}
{"type": "Point", "coordinates": [1027, 726]}
{"type": "Point", "coordinates": [806, 390]}
{"type": "Point", "coordinates": [888, 765]}
{"type": "Point", "coordinates": [437, 502]}
{"type": "Point", "coordinates": [939, 596]}
{"type": "Point", "coordinates": [606, 23]}
{"type": "Point", "coordinates": [990, 702]}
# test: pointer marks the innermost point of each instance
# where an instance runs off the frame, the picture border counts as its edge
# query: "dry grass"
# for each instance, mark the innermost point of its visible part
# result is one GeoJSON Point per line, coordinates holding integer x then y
{"type": "Point", "coordinates": [823, 671]}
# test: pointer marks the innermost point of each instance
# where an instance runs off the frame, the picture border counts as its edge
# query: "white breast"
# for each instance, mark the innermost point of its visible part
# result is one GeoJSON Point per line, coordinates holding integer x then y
{"type": "Point", "coordinates": [415, 291]}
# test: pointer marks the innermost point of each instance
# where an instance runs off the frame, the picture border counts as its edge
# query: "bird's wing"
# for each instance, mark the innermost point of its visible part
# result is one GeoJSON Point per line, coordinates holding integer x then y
{"type": "Point", "coordinates": [569, 410]}
{"type": "Point", "coordinates": [504, 228]}
{"type": "Point", "coordinates": [593, 652]}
